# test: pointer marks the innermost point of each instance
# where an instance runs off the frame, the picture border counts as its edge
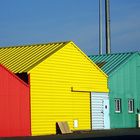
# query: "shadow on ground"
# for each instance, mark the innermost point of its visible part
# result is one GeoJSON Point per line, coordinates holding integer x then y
{"type": "Point", "coordinates": [112, 134]}
{"type": "Point", "coordinates": [111, 138]}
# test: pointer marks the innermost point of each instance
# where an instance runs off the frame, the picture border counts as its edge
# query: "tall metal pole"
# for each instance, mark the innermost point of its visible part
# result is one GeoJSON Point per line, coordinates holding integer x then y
{"type": "Point", "coordinates": [107, 21]}
{"type": "Point", "coordinates": [100, 27]}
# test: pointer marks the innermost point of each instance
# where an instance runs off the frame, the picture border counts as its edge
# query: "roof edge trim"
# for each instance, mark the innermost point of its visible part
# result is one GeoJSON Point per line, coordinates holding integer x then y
{"type": "Point", "coordinates": [89, 59]}
{"type": "Point", "coordinates": [34, 44]}
{"type": "Point", "coordinates": [39, 61]}
{"type": "Point", "coordinates": [121, 64]}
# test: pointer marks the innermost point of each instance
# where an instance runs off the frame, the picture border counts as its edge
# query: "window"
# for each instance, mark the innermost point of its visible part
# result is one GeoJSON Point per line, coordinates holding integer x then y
{"type": "Point", "coordinates": [117, 105]}
{"type": "Point", "coordinates": [130, 105]}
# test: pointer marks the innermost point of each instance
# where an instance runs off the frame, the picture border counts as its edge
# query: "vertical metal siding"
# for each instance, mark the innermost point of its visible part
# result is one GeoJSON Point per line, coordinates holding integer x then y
{"type": "Point", "coordinates": [138, 85]}
{"type": "Point", "coordinates": [14, 105]}
{"type": "Point", "coordinates": [97, 109]}
{"type": "Point", "coordinates": [97, 112]}
{"type": "Point", "coordinates": [124, 84]}
{"type": "Point", "coordinates": [51, 96]}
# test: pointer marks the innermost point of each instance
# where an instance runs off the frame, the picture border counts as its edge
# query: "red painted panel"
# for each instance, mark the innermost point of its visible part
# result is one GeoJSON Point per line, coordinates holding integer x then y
{"type": "Point", "coordinates": [14, 105]}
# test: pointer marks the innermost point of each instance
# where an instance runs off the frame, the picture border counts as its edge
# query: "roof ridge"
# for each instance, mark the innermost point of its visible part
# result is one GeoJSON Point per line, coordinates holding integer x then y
{"type": "Point", "coordinates": [112, 61]}
{"type": "Point", "coordinates": [29, 45]}
{"type": "Point", "coordinates": [46, 56]}
{"type": "Point", "coordinates": [20, 59]}
{"type": "Point", "coordinates": [115, 53]}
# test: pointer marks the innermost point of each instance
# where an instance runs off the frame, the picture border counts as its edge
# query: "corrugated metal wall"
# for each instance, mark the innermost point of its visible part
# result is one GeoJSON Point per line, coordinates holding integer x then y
{"type": "Point", "coordinates": [98, 110]}
{"type": "Point", "coordinates": [51, 96]}
{"type": "Point", "coordinates": [97, 106]}
{"type": "Point", "coordinates": [124, 84]}
{"type": "Point", "coordinates": [14, 105]}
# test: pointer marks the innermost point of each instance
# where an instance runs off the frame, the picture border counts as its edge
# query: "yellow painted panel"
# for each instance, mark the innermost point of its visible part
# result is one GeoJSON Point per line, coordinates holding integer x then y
{"type": "Point", "coordinates": [52, 98]}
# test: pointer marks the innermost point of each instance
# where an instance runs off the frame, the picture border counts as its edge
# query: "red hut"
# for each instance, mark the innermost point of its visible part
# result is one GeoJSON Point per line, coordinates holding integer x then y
{"type": "Point", "coordinates": [14, 105]}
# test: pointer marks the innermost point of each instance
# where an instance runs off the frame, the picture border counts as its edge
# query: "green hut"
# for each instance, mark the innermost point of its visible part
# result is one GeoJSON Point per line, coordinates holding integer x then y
{"type": "Point", "coordinates": [123, 70]}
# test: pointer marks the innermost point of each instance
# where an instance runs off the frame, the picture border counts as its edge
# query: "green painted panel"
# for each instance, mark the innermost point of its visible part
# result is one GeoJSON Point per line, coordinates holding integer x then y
{"type": "Point", "coordinates": [110, 62]}
{"type": "Point", "coordinates": [125, 84]}
{"type": "Point", "coordinates": [138, 85]}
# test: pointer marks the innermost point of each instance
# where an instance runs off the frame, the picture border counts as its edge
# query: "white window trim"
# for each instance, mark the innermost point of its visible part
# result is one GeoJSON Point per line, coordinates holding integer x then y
{"type": "Point", "coordinates": [129, 111]}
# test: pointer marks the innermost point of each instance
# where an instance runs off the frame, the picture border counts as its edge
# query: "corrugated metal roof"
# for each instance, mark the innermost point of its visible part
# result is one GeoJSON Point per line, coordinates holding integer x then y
{"type": "Point", "coordinates": [109, 62]}
{"type": "Point", "coordinates": [23, 58]}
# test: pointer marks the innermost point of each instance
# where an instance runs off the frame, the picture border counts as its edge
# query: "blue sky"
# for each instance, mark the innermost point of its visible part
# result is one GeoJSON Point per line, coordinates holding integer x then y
{"type": "Point", "coordinates": [42, 21]}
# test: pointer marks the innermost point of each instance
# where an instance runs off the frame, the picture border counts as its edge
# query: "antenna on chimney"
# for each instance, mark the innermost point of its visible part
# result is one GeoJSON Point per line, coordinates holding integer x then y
{"type": "Point", "coordinates": [107, 22]}
{"type": "Point", "coordinates": [100, 27]}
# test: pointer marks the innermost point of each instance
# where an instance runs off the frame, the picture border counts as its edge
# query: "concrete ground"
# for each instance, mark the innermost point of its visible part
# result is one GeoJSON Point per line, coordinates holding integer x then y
{"type": "Point", "coordinates": [113, 134]}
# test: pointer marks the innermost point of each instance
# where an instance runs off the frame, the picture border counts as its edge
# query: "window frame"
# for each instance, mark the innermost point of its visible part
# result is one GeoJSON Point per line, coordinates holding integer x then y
{"type": "Point", "coordinates": [118, 105]}
{"type": "Point", "coordinates": [131, 107]}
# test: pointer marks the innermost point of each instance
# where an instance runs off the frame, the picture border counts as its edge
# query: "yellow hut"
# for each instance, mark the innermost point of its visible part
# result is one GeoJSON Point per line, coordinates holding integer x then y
{"type": "Point", "coordinates": [61, 80]}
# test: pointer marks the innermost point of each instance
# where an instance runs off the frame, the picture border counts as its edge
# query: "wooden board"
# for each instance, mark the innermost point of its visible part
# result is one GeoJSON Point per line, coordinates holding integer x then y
{"type": "Point", "coordinates": [64, 127]}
